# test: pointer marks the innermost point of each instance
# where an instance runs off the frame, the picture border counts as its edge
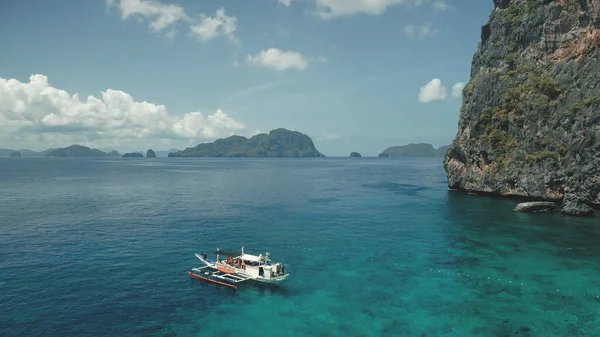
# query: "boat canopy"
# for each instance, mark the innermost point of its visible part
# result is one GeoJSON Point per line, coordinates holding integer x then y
{"type": "Point", "coordinates": [251, 258]}
{"type": "Point", "coordinates": [228, 253]}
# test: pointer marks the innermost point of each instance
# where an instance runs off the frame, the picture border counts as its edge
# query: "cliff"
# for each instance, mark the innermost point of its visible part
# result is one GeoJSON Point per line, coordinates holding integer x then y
{"type": "Point", "coordinates": [278, 143]}
{"type": "Point", "coordinates": [414, 150]}
{"type": "Point", "coordinates": [529, 124]}
{"type": "Point", "coordinates": [150, 154]}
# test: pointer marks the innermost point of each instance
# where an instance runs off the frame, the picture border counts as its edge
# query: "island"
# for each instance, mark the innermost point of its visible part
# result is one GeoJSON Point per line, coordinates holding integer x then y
{"type": "Point", "coordinates": [528, 125]}
{"type": "Point", "coordinates": [24, 153]}
{"type": "Point", "coordinates": [133, 155]}
{"type": "Point", "coordinates": [15, 154]}
{"type": "Point", "coordinates": [165, 153]}
{"type": "Point", "coordinates": [150, 154]}
{"type": "Point", "coordinates": [277, 143]}
{"type": "Point", "coordinates": [75, 151]}
{"type": "Point", "coordinates": [355, 155]}
{"type": "Point", "coordinates": [113, 153]}
{"type": "Point", "coordinates": [414, 150]}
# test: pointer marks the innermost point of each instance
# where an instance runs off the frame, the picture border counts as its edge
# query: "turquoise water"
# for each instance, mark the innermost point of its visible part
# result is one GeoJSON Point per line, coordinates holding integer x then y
{"type": "Point", "coordinates": [375, 247]}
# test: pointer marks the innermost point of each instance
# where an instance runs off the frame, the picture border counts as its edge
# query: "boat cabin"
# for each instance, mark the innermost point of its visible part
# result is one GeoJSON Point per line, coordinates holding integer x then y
{"type": "Point", "coordinates": [254, 266]}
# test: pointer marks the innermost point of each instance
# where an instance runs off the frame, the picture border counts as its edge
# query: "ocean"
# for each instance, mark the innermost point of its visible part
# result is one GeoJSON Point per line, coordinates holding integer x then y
{"type": "Point", "coordinates": [373, 246]}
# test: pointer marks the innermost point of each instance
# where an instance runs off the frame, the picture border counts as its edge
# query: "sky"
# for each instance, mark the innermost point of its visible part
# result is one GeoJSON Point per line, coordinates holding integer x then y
{"type": "Point", "coordinates": [354, 75]}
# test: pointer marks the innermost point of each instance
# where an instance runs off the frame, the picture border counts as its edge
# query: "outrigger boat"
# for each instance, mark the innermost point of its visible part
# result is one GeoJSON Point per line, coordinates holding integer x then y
{"type": "Point", "coordinates": [239, 267]}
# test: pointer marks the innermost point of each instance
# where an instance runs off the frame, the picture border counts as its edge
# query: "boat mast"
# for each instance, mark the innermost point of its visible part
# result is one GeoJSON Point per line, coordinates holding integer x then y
{"type": "Point", "coordinates": [217, 253]}
{"type": "Point", "coordinates": [242, 248]}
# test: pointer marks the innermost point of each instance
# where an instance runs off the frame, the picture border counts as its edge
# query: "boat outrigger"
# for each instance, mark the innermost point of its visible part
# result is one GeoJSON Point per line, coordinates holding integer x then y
{"type": "Point", "coordinates": [239, 267]}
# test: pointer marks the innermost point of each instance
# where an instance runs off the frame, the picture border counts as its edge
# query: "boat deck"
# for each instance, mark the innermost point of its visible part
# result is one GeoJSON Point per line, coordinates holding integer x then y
{"type": "Point", "coordinates": [218, 277]}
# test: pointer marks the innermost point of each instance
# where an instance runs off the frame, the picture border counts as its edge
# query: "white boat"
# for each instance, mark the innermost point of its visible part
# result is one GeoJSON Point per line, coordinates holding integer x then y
{"type": "Point", "coordinates": [239, 267]}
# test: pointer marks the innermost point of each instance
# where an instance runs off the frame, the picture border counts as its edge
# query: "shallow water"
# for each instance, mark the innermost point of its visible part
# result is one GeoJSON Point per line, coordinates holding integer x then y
{"type": "Point", "coordinates": [374, 247]}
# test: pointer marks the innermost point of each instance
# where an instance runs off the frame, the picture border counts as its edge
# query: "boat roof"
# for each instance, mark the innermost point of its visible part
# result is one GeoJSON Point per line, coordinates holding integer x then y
{"type": "Point", "coordinates": [228, 252]}
{"type": "Point", "coordinates": [248, 257]}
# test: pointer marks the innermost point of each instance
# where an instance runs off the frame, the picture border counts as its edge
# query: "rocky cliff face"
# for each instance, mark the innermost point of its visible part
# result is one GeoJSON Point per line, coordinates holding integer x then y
{"type": "Point", "coordinates": [530, 120]}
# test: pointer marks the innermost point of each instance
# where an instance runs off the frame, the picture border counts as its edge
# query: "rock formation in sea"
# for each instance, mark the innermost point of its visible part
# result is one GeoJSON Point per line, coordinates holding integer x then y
{"type": "Point", "coordinates": [529, 124]}
{"type": "Point", "coordinates": [133, 155]}
{"type": "Point", "coordinates": [535, 206]}
{"type": "Point", "coordinates": [414, 150]}
{"type": "Point", "coordinates": [150, 154]}
{"type": "Point", "coordinates": [278, 143]}
{"type": "Point", "coordinates": [355, 155]}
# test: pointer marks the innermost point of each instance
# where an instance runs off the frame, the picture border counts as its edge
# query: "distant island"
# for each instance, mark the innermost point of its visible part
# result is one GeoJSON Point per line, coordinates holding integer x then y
{"type": "Point", "coordinates": [76, 151]}
{"type": "Point", "coordinates": [414, 150]}
{"type": "Point", "coordinates": [278, 143]}
{"type": "Point", "coordinates": [133, 155]}
{"type": "Point", "coordinates": [23, 152]}
{"type": "Point", "coordinates": [355, 155]}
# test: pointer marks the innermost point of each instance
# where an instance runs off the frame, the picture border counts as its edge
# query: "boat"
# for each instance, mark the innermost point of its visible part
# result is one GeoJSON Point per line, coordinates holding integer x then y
{"type": "Point", "coordinates": [238, 267]}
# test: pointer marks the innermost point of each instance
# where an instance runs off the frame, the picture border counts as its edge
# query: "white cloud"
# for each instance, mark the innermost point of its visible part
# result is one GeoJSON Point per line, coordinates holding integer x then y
{"type": "Point", "coordinates": [34, 112]}
{"type": "Point", "coordinates": [323, 59]}
{"type": "Point", "coordinates": [161, 16]}
{"type": "Point", "coordinates": [279, 60]}
{"type": "Point", "coordinates": [329, 9]}
{"type": "Point", "coordinates": [457, 89]}
{"type": "Point", "coordinates": [440, 6]}
{"type": "Point", "coordinates": [286, 3]}
{"type": "Point", "coordinates": [211, 27]}
{"type": "Point", "coordinates": [432, 91]}
{"type": "Point", "coordinates": [328, 136]}
{"type": "Point", "coordinates": [420, 31]}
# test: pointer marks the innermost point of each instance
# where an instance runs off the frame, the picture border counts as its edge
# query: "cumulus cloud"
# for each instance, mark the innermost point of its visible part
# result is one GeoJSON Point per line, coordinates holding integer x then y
{"type": "Point", "coordinates": [211, 27]}
{"type": "Point", "coordinates": [35, 111]}
{"type": "Point", "coordinates": [329, 9]}
{"type": "Point", "coordinates": [161, 16]}
{"type": "Point", "coordinates": [279, 60]}
{"type": "Point", "coordinates": [420, 31]}
{"type": "Point", "coordinates": [286, 3]}
{"type": "Point", "coordinates": [457, 89]}
{"type": "Point", "coordinates": [432, 91]}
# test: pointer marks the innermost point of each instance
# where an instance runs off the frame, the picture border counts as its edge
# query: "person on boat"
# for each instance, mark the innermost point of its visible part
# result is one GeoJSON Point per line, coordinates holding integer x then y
{"type": "Point", "coordinates": [282, 270]}
{"type": "Point", "coordinates": [204, 256]}
{"type": "Point", "coordinates": [230, 261]}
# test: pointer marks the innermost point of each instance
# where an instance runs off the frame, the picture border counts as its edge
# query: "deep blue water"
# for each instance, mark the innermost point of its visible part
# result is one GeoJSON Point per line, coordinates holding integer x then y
{"type": "Point", "coordinates": [375, 247]}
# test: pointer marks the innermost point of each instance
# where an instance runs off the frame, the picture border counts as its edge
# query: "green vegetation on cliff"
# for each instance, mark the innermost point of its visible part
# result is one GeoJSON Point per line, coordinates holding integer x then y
{"type": "Point", "coordinates": [278, 143]}
{"type": "Point", "coordinates": [529, 124]}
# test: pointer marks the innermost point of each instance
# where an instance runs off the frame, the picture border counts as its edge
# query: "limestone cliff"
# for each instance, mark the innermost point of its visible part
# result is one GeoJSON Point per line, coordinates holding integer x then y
{"type": "Point", "coordinates": [529, 123]}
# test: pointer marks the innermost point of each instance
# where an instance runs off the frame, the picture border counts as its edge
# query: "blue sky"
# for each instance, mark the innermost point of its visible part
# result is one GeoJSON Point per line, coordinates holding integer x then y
{"type": "Point", "coordinates": [348, 73]}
